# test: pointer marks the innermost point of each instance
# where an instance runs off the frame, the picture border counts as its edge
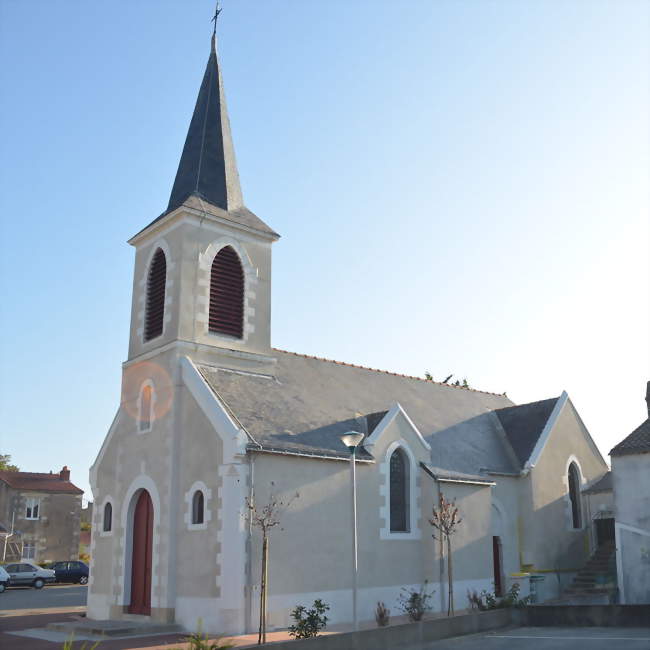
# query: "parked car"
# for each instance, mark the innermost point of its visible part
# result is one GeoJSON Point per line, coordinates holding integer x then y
{"type": "Point", "coordinates": [73, 571]}
{"type": "Point", "coordinates": [4, 579]}
{"type": "Point", "coordinates": [26, 574]}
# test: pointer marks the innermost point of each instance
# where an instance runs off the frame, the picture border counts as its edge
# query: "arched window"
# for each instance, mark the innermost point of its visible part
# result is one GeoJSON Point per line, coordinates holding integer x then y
{"type": "Point", "coordinates": [197, 507]}
{"type": "Point", "coordinates": [108, 517]}
{"type": "Point", "coordinates": [227, 294]}
{"type": "Point", "coordinates": [574, 495]}
{"type": "Point", "coordinates": [155, 306]}
{"type": "Point", "coordinates": [399, 515]}
{"type": "Point", "coordinates": [145, 410]}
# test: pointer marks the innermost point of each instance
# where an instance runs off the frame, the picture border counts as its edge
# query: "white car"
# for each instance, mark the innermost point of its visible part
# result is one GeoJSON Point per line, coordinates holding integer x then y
{"type": "Point", "coordinates": [28, 574]}
{"type": "Point", "coordinates": [4, 579]}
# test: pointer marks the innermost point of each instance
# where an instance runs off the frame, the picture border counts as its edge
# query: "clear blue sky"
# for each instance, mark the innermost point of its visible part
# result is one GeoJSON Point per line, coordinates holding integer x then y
{"type": "Point", "coordinates": [461, 186]}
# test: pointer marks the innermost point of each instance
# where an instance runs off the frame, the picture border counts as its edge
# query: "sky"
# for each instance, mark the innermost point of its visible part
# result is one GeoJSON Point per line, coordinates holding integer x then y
{"type": "Point", "coordinates": [461, 186]}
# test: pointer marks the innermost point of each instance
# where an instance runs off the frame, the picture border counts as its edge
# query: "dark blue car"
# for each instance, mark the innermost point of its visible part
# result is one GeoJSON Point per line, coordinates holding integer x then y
{"type": "Point", "coordinates": [73, 571]}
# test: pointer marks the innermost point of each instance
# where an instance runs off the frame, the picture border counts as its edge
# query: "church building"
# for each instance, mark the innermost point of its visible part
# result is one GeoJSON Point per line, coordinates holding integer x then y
{"type": "Point", "coordinates": [212, 416]}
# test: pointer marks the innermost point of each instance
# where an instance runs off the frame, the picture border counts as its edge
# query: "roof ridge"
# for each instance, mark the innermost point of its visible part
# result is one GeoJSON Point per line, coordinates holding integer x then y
{"type": "Point", "coordinates": [388, 372]}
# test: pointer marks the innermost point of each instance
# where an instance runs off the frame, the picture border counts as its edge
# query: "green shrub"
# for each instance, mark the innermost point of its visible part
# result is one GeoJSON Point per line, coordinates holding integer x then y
{"type": "Point", "coordinates": [415, 603]}
{"type": "Point", "coordinates": [308, 622]}
{"type": "Point", "coordinates": [487, 600]}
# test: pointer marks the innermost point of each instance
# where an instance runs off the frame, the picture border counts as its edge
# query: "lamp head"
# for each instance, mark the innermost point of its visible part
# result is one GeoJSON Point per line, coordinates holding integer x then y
{"type": "Point", "coordinates": [351, 440]}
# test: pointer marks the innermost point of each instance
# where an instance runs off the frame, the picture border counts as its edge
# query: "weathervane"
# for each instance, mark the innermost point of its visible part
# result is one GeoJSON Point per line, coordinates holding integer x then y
{"type": "Point", "coordinates": [217, 11]}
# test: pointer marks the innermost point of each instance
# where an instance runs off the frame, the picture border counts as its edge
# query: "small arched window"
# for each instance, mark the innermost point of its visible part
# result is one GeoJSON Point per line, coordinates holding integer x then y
{"type": "Point", "coordinates": [155, 304]}
{"type": "Point", "coordinates": [108, 517]}
{"type": "Point", "coordinates": [227, 294]}
{"type": "Point", "coordinates": [574, 495]}
{"type": "Point", "coordinates": [197, 507]}
{"type": "Point", "coordinates": [399, 515]}
{"type": "Point", "coordinates": [145, 411]}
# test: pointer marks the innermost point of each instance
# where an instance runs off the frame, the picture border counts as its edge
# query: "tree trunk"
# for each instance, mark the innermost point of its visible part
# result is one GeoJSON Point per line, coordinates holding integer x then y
{"type": "Point", "coordinates": [450, 605]}
{"type": "Point", "coordinates": [261, 637]}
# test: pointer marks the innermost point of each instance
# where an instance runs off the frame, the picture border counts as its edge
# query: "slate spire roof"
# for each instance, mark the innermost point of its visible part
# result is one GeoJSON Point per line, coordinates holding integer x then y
{"type": "Point", "coordinates": [208, 168]}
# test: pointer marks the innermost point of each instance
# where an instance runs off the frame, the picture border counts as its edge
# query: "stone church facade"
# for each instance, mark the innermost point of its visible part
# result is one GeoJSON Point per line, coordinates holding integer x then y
{"type": "Point", "coordinates": [212, 415]}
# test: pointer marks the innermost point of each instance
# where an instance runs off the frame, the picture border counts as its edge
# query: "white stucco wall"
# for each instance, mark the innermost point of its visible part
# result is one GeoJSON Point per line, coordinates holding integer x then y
{"type": "Point", "coordinates": [631, 479]}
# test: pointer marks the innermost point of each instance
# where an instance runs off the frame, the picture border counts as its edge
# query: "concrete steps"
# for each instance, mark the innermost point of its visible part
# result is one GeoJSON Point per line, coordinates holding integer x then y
{"type": "Point", "coordinates": [90, 628]}
{"type": "Point", "coordinates": [596, 582]}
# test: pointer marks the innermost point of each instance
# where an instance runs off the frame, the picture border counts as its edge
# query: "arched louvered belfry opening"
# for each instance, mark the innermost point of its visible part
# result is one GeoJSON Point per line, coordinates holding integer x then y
{"type": "Point", "coordinates": [574, 495]}
{"type": "Point", "coordinates": [155, 305]}
{"type": "Point", "coordinates": [399, 506]}
{"type": "Point", "coordinates": [227, 294]}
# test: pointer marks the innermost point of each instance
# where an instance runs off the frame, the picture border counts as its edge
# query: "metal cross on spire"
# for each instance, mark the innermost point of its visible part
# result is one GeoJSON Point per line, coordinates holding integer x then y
{"type": "Point", "coordinates": [217, 11]}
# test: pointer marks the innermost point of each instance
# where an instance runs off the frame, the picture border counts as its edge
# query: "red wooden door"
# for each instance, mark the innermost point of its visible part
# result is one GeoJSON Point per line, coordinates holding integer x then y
{"type": "Point", "coordinates": [141, 557]}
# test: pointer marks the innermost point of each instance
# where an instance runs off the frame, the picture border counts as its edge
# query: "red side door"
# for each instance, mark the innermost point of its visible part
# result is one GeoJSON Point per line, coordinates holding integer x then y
{"type": "Point", "coordinates": [141, 558]}
{"type": "Point", "coordinates": [496, 555]}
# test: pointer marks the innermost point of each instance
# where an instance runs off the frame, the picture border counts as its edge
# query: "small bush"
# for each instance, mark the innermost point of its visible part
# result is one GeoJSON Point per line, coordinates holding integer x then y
{"type": "Point", "coordinates": [487, 600]}
{"type": "Point", "coordinates": [308, 622]}
{"type": "Point", "coordinates": [382, 614]}
{"type": "Point", "coordinates": [415, 603]}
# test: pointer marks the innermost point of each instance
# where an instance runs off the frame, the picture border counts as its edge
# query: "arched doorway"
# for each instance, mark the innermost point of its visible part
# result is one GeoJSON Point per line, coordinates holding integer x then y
{"type": "Point", "coordinates": [141, 555]}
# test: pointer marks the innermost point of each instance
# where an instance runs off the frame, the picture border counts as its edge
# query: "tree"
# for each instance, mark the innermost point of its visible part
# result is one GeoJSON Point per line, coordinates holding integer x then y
{"type": "Point", "coordinates": [265, 518]}
{"type": "Point", "coordinates": [5, 464]}
{"type": "Point", "coordinates": [446, 519]}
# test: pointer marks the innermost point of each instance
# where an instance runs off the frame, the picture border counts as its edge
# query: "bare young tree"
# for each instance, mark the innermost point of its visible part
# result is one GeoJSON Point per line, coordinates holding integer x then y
{"type": "Point", "coordinates": [265, 517]}
{"type": "Point", "coordinates": [445, 519]}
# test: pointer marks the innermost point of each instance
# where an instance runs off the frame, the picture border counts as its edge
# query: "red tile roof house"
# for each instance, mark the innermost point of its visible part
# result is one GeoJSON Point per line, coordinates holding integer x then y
{"type": "Point", "coordinates": [43, 511]}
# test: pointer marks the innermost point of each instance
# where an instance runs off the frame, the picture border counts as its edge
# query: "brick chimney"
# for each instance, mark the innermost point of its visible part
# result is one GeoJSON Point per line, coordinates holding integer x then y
{"type": "Point", "coordinates": [64, 474]}
{"type": "Point", "coordinates": [647, 398]}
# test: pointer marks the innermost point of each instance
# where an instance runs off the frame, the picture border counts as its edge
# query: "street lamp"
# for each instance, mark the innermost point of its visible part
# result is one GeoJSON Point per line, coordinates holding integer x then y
{"type": "Point", "coordinates": [351, 440]}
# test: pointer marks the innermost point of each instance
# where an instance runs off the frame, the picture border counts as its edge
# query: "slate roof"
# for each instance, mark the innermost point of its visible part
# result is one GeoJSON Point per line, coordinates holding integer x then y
{"type": "Point", "coordinates": [638, 442]}
{"type": "Point", "coordinates": [207, 177]}
{"type": "Point", "coordinates": [311, 401]}
{"type": "Point", "coordinates": [39, 482]}
{"type": "Point", "coordinates": [442, 474]}
{"type": "Point", "coordinates": [207, 166]}
{"type": "Point", "coordinates": [524, 424]}
{"type": "Point", "coordinates": [603, 484]}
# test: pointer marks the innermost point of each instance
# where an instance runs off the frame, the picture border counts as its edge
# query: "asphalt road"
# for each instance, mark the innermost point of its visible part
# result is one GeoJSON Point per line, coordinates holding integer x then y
{"type": "Point", "coordinates": [551, 638]}
{"type": "Point", "coordinates": [51, 596]}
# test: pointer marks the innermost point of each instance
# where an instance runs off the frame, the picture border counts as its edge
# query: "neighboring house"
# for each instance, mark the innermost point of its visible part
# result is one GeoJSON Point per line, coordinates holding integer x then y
{"type": "Point", "coordinates": [631, 484]}
{"type": "Point", "coordinates": [87, 514]}
{"type": "Point", "coordinates": [211, 414]}
{"type": "Point", "coordinates": [43, 512]}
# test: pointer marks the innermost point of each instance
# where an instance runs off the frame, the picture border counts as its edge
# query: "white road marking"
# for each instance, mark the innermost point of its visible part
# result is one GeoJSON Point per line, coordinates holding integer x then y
{"type": "Point", "coordinates": [571, 638]}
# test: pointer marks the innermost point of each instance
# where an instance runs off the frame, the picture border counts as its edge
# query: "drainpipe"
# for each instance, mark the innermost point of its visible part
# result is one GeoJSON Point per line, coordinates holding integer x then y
{"type": "Point", "coordinates": [249, 546]}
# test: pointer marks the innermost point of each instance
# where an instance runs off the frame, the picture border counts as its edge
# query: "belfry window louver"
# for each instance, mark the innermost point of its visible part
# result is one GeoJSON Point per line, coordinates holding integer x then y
{"type": "Point", "coordinates": [227, 294]}
{"type": "Point", "coordinates": [155, 308]}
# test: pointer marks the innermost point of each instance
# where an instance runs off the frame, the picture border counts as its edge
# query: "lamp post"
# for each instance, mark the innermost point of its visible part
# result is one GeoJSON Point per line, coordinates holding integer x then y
{"type": "Point", "coordinates": [351, 440]}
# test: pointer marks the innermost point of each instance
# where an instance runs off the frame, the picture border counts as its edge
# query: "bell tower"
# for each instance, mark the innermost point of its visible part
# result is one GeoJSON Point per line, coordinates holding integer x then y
{"type": "Point", "coordinates": [203, 268]}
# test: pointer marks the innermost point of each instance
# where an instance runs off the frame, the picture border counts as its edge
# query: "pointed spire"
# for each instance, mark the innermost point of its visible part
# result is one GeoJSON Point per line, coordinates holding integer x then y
{"type": "Point", "coordinates": [208, 168]}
